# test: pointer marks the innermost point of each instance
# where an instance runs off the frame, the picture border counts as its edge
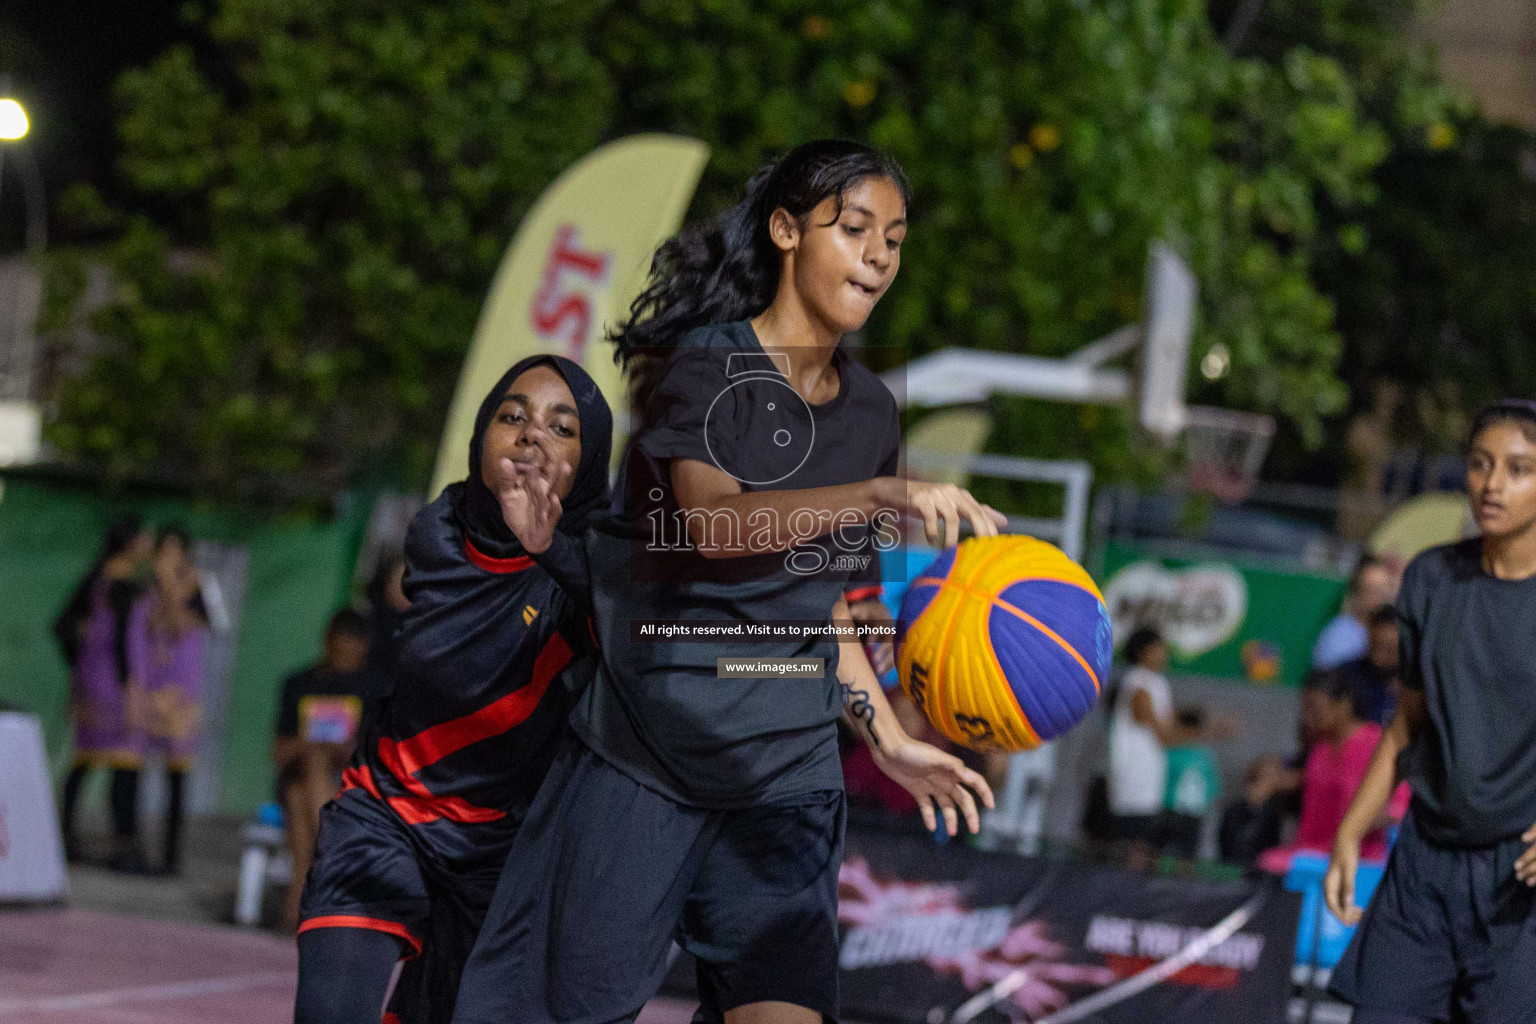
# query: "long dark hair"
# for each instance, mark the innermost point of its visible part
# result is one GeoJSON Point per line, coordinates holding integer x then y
{"type": "Point", "coordinates": [728, 268]}
{"type": "Point", "coordinates": [120, 535]}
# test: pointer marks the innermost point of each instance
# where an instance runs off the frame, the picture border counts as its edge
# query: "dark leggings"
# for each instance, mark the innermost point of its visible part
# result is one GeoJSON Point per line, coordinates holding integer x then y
{"type": "Point", "coordinates": [1366, 1015]}
{"type": "Point", "coordinates": [125, 802]}
{"type": "Point", "coordinates": [177, 799]}
{"type": "Point", "coordinates": [344, 975]}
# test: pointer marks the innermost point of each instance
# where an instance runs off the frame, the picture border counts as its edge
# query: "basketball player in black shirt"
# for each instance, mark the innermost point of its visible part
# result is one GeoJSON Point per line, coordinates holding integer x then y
{"type": "Point", "coordinates": [1451, 932]}
{"type": "Point", "coordinates": [690, 803]}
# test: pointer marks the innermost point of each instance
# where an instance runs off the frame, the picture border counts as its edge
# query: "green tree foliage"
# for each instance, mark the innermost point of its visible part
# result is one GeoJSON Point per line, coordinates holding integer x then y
{"type": "Point", "coordinates": [351, 174]}
{"type": "Point", "coordinates": [1442, 302]}
{"type": "Point", "coordinates": [348, 180]}
{"type": "Point", "coordinates": [1429, 279]}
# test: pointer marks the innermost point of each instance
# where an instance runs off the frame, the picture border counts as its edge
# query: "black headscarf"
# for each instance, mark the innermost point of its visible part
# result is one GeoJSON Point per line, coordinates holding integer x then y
{"type": "Point", "coordinates": [465, 625]}
{"type": "Point", "coordinates": [478, 511]}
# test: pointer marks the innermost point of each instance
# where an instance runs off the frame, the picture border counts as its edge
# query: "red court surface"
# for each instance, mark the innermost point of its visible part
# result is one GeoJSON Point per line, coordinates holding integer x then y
{"type": "Point", "coordinates": [84, 967]}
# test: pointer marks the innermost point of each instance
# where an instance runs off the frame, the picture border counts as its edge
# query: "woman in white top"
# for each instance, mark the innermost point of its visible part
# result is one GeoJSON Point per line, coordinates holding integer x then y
{"type": "Point", "coordinates": [1142, 725]}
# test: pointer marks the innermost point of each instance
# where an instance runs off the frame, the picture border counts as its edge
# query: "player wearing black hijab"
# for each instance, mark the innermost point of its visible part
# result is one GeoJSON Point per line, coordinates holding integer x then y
{"type": "Point", "coordinates": [410, 849]}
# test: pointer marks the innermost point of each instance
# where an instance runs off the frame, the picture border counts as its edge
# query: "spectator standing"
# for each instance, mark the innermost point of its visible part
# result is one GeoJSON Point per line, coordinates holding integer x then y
{"type": "Point", "coordinates": [1372, 587]}
{"type": "Point", "coordinates": [167, 637]}
{"type": "Point", "coordinates": [92, 634]}
{"type": "Point", "coordinates": [1373, 679]}
{"type": "Point", "coordinates": [1142, 728]}
{"type": "Point", "coordinates": [317, 725]}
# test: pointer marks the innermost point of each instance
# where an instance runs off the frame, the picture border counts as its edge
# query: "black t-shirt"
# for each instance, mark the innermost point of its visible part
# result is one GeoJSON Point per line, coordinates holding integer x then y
{"type": "Point", "coordinates": [317, 681]}
{"type": "Point", "coordinates": [656, 708]}
{"type": "Point", "coordinates": [461, 745]}
{"type": "Point", "coordinates": [1469, 642]}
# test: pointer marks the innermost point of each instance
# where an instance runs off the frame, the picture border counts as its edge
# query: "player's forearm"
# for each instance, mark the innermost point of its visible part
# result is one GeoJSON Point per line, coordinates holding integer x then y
{"type": "Point", "coordinates": [763, 522]}
{"type": "Point", "coordinates": [865, 707]}
{"type": "Point", "coordinates": [1370, 802]}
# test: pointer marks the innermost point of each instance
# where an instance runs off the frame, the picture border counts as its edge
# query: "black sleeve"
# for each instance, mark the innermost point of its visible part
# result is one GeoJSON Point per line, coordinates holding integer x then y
{"type": "Point", "coordinates": [566, 562]}
{"type": "Point", "coordinates": [868, 581]}
{"type": "Point", "coordinates": [890, 461]}
{"type": "Point", "coordinates": [681, 404]}
{"type": "Point", "coordinates": [288, 705]}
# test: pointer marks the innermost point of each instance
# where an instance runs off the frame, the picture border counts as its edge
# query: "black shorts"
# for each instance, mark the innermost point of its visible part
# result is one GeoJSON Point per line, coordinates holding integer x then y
{"type": "Point", "coordinates": [606, 873]}
{"type": "Point", "coordinates": [373, 871]}
{"type": "Point", "coordinates": [1450, 934]}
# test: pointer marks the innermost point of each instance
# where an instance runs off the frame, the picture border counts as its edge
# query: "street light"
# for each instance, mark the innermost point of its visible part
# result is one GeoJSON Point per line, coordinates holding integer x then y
{"type": "Point", "coordinates": [13, 120]}
{"type": "Point", "coordinates": [14, 125]}
{"type": "Point", "coordinates": [20, 417]}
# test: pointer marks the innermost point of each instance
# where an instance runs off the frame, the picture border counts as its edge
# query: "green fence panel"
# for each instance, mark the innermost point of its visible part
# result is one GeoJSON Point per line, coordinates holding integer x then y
{"type": "Point", "coordinates": [300, 570]}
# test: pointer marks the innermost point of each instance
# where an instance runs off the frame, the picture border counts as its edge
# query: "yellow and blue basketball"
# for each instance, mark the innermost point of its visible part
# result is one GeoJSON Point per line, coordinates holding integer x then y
{"type": "Point", "coordinates": [1004, 643]}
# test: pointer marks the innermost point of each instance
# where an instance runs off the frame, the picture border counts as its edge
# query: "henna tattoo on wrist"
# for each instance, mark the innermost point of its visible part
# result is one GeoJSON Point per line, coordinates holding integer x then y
{"type": "Point", "coordinates": [861, 711]}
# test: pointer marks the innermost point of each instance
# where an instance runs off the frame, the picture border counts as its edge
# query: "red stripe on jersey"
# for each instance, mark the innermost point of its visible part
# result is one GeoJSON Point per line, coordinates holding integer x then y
{"type": "Point", "coordinates": [432, 745]}
{"type": "Point", "coordinates": [405, 758]}
{"type": "Point", "coordinates": [412, 810]}
{"type": "Point", "coordinates": [863, 593]}
{"type": "Point", "coordinates": [496, 565]}
{"type": "Point", "coordinates": [423, 805]}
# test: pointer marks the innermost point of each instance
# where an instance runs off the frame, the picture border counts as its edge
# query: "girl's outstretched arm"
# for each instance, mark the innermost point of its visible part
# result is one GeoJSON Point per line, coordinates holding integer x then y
{"type": "Point", "coordinates": [727, 522]}
{"type": "Point", "coordinates": [933, 777]}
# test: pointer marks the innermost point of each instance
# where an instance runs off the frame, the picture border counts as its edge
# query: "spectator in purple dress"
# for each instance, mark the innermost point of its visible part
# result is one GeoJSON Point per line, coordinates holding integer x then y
{"type": "Point", "coordinates": [92, 633]}
{"type": "Point", "coordinates": [167, 632]}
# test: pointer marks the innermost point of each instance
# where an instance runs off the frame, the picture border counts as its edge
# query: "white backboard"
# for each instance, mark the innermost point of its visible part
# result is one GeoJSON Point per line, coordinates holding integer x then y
{"type": "Point", "coordinates": [1168, 324]}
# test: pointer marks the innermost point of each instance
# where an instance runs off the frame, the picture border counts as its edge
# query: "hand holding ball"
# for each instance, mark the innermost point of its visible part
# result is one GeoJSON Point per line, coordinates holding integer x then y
{"type": "Point", "coordinates": [1004, 643]}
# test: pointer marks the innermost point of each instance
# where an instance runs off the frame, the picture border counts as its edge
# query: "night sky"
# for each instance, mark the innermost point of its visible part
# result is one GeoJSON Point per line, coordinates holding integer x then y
{"type": "Point", "coordinates": [62, 57]}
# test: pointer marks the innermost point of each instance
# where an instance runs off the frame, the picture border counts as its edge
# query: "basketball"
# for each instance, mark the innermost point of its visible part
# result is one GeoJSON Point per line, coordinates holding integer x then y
{"type": "Point", "coordinates": [1004, 643]}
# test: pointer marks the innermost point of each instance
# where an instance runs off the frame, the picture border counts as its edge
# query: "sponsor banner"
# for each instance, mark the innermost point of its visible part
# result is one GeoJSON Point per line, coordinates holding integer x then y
{"type": "Point", "coordinates": [579, 258]}
{"type": "Point", "coordinates": [1221, 617]}
{"type": "Point", "coordinates": [928, 927]}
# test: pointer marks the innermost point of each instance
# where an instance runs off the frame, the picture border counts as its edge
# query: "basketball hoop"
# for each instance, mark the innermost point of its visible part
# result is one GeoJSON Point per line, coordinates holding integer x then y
{"type": "Point", "coordinates": [1226, 449]}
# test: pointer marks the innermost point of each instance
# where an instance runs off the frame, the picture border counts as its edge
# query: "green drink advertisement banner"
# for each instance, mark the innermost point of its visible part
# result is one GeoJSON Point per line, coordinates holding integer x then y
{"type": "Point", "coordinates": [1221, 617]}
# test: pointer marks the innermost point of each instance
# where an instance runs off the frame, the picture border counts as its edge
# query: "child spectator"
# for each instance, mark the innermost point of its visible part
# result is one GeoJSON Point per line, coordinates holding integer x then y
{"type": "Point", "coordinates": [317, 722]}
{"type": "Point", "coordinates": [1194, 786]}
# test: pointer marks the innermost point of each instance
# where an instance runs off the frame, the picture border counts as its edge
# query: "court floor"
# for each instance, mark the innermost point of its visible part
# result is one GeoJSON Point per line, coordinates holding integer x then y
{"type": "Point", "coordinates": [89, 967]}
